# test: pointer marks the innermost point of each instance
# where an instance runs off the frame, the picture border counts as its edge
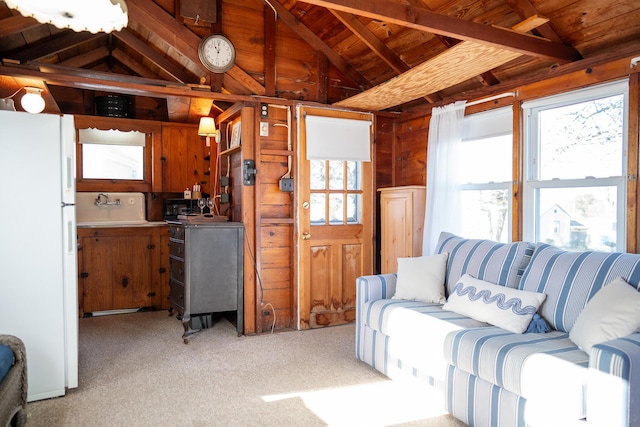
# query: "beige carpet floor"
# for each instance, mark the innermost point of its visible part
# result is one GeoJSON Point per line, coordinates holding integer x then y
{"type": "Point", "coordinates": [136, 371]}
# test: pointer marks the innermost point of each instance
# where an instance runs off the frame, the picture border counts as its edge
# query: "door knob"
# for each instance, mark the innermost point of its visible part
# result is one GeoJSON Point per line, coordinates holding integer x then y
{"type": "Point", "coordinates": [306, 236]}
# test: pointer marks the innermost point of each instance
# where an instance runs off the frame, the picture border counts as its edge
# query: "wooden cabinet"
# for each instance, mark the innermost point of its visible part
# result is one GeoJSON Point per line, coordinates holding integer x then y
{"type": "Point", "coordinates": [206, 271]}
{"type": "Point", "coordinates": [120, 268]}
{"type": "Point", "coordinates": [401, 224]}
{"type": "Point", "coordinates": [185, 158]}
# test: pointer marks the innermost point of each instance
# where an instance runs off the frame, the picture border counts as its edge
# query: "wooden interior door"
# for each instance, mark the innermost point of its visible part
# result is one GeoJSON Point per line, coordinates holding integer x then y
{"type": "Point", "coordinates": [335, 237]}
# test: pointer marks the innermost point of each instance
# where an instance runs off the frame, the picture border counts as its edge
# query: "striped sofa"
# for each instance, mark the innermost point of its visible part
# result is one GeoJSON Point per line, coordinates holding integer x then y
{"type": "Point", "coordinates": [493, 377]}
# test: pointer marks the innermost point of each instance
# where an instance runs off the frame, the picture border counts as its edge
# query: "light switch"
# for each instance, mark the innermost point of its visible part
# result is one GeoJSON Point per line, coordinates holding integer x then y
{"type": "Point", "coordinates": [264, 129]}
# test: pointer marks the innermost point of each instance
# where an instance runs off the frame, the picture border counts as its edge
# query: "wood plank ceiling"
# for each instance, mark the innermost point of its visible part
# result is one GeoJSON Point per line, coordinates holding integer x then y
{"type": "Point", "coordinates": [392, 55]}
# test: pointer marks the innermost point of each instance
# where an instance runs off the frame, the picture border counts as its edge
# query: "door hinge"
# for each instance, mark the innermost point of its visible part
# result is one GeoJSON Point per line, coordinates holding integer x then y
{"type": "Point", "coordinates": [84, 275]}
{"type": "Point", "coordinates": [631, 177]}
{"type": "Point", "coordinates": [151, 246]}
{"type": "Point", "coordinates": [151, 294]}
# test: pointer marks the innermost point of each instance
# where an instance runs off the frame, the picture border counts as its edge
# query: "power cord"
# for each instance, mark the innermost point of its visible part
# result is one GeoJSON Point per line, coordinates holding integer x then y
{"type": "Point", "coordinates": [255, 269]}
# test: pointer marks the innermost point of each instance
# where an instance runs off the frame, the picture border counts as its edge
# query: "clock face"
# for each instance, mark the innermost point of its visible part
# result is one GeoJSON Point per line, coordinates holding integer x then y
{"type": "Point", "coordinates": [217, 53]}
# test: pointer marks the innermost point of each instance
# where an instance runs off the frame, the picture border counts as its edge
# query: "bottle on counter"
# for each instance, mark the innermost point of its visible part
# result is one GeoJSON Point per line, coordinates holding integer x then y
{"type": "Point", "coordinates": [187, 193]}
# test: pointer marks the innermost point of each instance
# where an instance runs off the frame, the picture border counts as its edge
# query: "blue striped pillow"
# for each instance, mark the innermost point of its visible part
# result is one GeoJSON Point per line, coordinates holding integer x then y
{"type": "Point", "coordinates": [570, 279]}
{"type": "Point", "coordinates": [494, 262]}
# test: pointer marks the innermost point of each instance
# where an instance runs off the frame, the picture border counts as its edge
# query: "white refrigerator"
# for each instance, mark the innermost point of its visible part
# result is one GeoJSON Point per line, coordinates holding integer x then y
{"type": "Point", "coordinates": [38, 256]}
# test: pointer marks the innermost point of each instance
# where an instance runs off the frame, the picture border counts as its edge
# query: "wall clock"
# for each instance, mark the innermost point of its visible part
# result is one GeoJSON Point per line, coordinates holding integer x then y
{"type": "Point", "coordinates": [217, 53]}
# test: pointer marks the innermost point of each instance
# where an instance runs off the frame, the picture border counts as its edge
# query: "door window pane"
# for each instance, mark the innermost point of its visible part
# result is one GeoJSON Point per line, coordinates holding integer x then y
{"type": "Point", "coordinates": [336, 175]}
{"type": "Point", "coordinates": [336, 209]}
{"type": "Point", "coordinates": [353, 176]}
{"type": "Point", "coordinates": [353, 208]}
{"type": "Point", "coordinates": [318, 175]}
{"type": "Point", "coordinates": [317, 209]}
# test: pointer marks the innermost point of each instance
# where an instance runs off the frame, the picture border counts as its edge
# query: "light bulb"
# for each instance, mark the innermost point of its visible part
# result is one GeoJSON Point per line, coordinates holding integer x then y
{"type": "Point", "coordinates": [32, 101]}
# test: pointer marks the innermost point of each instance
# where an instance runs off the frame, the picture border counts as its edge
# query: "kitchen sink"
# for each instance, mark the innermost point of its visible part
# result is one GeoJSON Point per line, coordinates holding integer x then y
{"type": "Point", "coordinates": [110, 209]}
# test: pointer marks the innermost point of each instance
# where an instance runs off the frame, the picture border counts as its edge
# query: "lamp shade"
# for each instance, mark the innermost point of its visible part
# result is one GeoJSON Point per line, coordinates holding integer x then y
{"type": "Point", "coordinates": [79, 15]}
{"type": "Point", "coordinates": [207, 128]}
{"type": "Point", "coordinates": [32, 101]}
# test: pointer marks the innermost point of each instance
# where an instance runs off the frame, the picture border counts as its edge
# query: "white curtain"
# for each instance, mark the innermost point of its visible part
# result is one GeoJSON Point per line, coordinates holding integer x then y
{"type": "Point", "coordinates": [442, 210]}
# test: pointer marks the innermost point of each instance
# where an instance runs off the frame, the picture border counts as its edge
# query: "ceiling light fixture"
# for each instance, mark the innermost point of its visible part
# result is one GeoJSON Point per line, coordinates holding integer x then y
{"type": "Point", "coordinates": [31, 101]}
{"type": "Point", "coordinates": [207, 128]}
{"type": "Point", "coordinates": [94, 16]}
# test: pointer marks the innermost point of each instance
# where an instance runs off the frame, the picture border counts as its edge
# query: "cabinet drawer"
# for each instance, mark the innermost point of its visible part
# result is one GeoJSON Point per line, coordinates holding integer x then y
{"type": "Point", "coordinates": [176, 232]}
{"type": "Point", "coordinates": [176, 249]}
{"type": "Point", "coordinates": [176, 269]}
{"type": "Point", "coordinates": [176, 295]}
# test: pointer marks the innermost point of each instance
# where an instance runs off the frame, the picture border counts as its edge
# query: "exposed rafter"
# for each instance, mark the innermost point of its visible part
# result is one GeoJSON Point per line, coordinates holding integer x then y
{"type": "Point", "coordinates": [426, 20]}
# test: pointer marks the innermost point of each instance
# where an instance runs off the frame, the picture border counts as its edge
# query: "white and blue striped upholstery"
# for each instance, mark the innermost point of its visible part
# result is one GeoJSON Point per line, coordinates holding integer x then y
{"type": "Point", "coordinates": [494, 262]}
{"type": "Point", "coordinates": [479, 403]}
{"type": "Point", "coordinates": [614, 383]}
{"type": "Point", "coordinates": [548, 370]}
{"type": "Point", "coordinates": [570, 279]}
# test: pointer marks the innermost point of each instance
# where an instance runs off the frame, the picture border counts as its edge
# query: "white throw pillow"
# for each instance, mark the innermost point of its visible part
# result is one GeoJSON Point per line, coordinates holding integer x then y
{"type": "Point", "coordinates": [422, 278]}
{"type": "Point", "coordinates": [613, 312]}
{"type": "Point", "coordinates": [507, 308]}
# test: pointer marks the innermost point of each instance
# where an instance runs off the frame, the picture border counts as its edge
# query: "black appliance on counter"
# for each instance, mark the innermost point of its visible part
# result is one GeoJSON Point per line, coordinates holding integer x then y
{"type": "Point", "coordinates": [171, 208]}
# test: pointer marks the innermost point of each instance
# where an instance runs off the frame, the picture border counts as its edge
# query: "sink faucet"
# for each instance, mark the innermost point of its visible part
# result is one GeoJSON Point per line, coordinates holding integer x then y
{"type": "Point", "coordinates": [99, 201]}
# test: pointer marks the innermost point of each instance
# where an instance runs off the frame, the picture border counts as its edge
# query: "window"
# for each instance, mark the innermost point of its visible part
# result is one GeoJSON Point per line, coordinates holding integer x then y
{"type": "Point", "coordinates": [336, 192]}
{"type": "Point", "coordinates": [575, 169]}
{"type": "Point", "coordinates": [112, 154]}
{"type": "Point", "coordinates": [486, 168]}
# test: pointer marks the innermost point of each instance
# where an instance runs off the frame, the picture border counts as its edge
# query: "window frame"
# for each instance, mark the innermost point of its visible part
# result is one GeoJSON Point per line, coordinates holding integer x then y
{"type": "Point", "coordinates": [532, 184]}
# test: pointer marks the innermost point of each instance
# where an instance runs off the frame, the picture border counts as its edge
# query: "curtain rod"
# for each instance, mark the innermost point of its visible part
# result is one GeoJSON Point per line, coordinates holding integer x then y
{"type": "Point", "coordinates": [491, 98]}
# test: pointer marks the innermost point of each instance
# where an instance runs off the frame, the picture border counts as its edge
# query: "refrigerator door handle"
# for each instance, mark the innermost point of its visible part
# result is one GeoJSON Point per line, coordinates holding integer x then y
{"type": "Point", "coordinates": [64, 205]}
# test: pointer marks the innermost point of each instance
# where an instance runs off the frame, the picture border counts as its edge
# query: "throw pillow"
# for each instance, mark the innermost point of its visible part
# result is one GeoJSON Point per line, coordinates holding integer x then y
{"type": "Point", "coordinates": [422, 278]}
{"type": "Point", "coordinates": [507, 308]}
{"type": "Point", "coordinates": [613, 312]}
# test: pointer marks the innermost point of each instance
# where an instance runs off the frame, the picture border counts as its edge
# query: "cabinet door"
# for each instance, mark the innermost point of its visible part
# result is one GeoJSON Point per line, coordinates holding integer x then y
{"type": "Point", "coordinates": [118, 273]}
{"type": "Point", "coordinates": [402, 219]}
{"type": "Point", "coordinates": [98, 265]}
{"type": "Point", "coordinates": [184, 153]}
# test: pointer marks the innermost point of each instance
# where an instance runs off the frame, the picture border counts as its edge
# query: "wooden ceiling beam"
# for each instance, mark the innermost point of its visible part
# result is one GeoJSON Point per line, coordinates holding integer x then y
{"type": "Point", "coordinates": [154, 56]}
{"type": "Point", "coordinates": [17, 24]}
{"type": "Point", "coordinates": [316, 42]}
{"type": "Point", "coordinates": [85, 59]}
{"type": "Point", "coordinates": [374, 43]}
{"type": "Point", "coordinates": [132, 64]}
{"type": "Point", "coordinates": [110, 82]}
{"type": "Point", "coordinates": [425, 20]}
{"type": "Point", "coordinates": [524, 9]}
{"type": "Point", "coordinates": [43, 50]}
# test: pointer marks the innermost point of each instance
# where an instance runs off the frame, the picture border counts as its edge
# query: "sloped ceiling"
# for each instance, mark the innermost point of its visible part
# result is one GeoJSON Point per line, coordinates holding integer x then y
{"type": "Point", "coordinates": [391, 55]}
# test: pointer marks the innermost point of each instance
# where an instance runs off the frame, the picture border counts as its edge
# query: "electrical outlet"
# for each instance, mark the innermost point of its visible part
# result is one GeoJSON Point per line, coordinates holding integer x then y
{"type": "Point", "coordinates": [224, 181]}
{"type": "Point", "coordinates": [286, 184]}
{"type": "Point", "coordinates": [264, 128]}
{"type": "Point", "coordinates": [224, 198]}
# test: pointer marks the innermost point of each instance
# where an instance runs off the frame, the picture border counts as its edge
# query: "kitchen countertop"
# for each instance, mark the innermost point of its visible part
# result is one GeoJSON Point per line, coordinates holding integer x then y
{"type": "Point", "coordinates": [115, 224]}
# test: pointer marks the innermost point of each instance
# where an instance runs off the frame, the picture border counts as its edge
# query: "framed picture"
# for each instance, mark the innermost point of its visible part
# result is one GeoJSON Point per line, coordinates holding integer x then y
{"type": "Point", "coordinates": [235, 134]}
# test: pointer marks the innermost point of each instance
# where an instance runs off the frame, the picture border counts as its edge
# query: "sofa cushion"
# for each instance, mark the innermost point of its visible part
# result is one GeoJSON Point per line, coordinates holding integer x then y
{"type": "Point", "coordinates": [613, 312]}
{"type": "Point", "coordinates": [542, 368]}
{"type": "Point", "coordinates": [499, 263]}
{"type": "Point", "coordinates": [6, 360]}
{"type": "Point", "coordinates": [510, 309]}
{"type": "Point", "coordinates": [405, 318]}
{"type": "Point", "coordinates": [421, 278]}
{"type": "Point", "coordinates": [570, 279]}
